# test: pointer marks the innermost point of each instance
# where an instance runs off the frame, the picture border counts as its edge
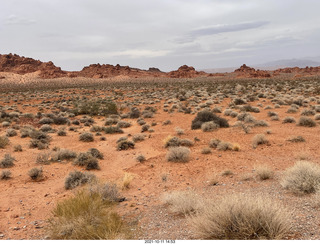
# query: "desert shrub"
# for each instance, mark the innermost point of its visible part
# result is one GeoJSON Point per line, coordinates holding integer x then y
{"type": "Point", "coordinates": [224, 146]}
{"type": "Point", "coordinates": [5, 175]}
{"type": "Point", "coordinates": [96, 128]}
{"type": "Point", "coordinates": [259, 139]}
{"type": "Point", "coordinates": [7, 161]}
{"type": "Point", "coordinates": [307, 112]}
{"type": "Point", "coordinates": [306, 122]}
{"type": "Point", "coordinates": [175, 142]}
{"type": "Point", "coordinates": [43, 158]}
{"type": "Point", "coordinates": [126, 181]}
{"type": "Point", "coordinates": [185, 143]}
{"type": "Point", "coordinates": [241, 217]}
{"type": "Point", "coordinates": [206, 116]}
{"type": "Point", "coordinates": [147, 114]}
{"type": "Point", "coordinates": [260, 123]}
{"type": "Point", "coordinates": [178, 154]}
{"type": "Point", "coordinates": [227, 172]}
{"type": "Point", "coordinates": [182, 202]}
{"type": "Point", "coordinates": [60, 120]}
{"type": "Point", "coordinates": [77, 178]}
{"type": "Point", "coordinates": [209, 126]}
{"type": "Point", "coordinates": [46, 121]}
{"type": "Point", "coordinates": [275, 118]}
{"type": "Point", "coordinates": [138, 137]}
{"type": "Point", "coordinates": [36, 174]}
{"type": "Point", "coordinates": [86, 216]}
{"type": "Point", "coordinates": [292, 110]}
{"type": "Point", "coordinates": [270, 114]}
{"type": "Point", "coordinates": [111, 121]}
{"type": "Point", "coordinates": [233, 114]}
{"type": "Point", "coordinates": [63, 154]}
{"type": "Point", "coordinates": [4, 141]}
{"type": "Point", "coordinates": [141, 121]}
{"type": "Point", "coordinates": [213, 143]}
{"type": "Point", "coordinates": [289, 120]}
{"type": "Point", "coordinates": [95, 107]}
{"type": "Point", "coordinates": [109, 192]}
{"type": "Point", "coordinates": [46, 128]}
{"type": "Point", "coordinates": [123, 124]}
{"type": "Point", "coordinates": [113, 130]}
{"type": "Point", "coordinates": [246, 117]}
{"type": "Point", "coordinates": [206, 150]}
{"type": "Point", "coordinates": [264, 172]}
{"type": "Point", "coordinates": [140, 158]}
{"type": "Point", "coordinates": [11, 132]}
{"type": "Point", "coordinates": [166, 122]}
{"type": "Point", "coordinates": [61, 132]}
{"type": "Point", "coordinates": [145, 128]}
{"type": "Point", "coordinates": [179, 131]}
{"type": "Point", "coordinates": [239, 101]}
{"type": "Point", "coordinates": [249, 108]}
{"type": "Point", "coordinates": [134, 113]}
{"type": "Point", "coordinates": [171, 141]}
{"type": "Point", "coordinates": [96, 153]}
{"type": "Point", "coordinates": [125, 145]}
{"type": "Point", "coordinates": [86, 137]}
{"type": "Point", "coordinates": [17, 148]}
{"type": "Point", "coordinates": [216, 110]}
{"type": "Point", "coordinates": [86, 160]}
{"type": "Point", "coordinates": [303, 177]}
{"type": "Point", "coordinates": [39, 139]}
{"type": "Point", "coordinates": [296, 139]}
{"type": "Point", "coordinates": [317, 117]}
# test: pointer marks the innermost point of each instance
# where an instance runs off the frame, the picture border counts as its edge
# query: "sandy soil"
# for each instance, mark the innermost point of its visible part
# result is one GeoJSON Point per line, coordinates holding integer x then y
{"type": "Point", "coordinates": [26, 205]}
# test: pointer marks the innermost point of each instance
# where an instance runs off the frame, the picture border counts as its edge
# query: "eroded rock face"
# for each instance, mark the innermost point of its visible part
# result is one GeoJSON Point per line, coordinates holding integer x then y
{"type": "Point", "coordinates": [246, 71]}
{"type": "Point", "coordinates": [186, 72]}
{"type": "Point", "coordinates": [21, 65]}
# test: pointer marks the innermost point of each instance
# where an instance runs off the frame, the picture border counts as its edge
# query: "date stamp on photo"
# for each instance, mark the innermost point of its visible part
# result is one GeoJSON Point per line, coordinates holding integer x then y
{"type": "Point", "coordinates": [159, 241]}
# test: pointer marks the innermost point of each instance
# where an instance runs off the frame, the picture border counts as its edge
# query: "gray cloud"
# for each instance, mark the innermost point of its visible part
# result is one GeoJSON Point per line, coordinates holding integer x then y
{"type": "Point", "coordinates": [164, 34]}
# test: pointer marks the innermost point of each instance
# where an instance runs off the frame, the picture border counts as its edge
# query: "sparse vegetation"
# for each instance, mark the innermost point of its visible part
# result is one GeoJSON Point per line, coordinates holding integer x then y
{"type": "Point", "coordinates": [178, 154]}
{"type": "Point", "coordinates": [303, 177]}
{"type": "Point", "coordinates": [241, 217]}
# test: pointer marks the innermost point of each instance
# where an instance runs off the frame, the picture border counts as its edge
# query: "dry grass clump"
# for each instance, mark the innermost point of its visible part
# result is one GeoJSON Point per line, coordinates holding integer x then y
{"type": "Point", "coordinates": [241, 217]}
{"type": "Point", "coordinates": [138, 137]}
{"type": "Point", "coordinates": [182, 202]}
{"type": "Point", "coordinates": [306, 122]}
{"type": "Point", "coordinates": [4, 141]}
{"type": "Point", "coordinates": [36, 174]}
{"type": "Point", "coordinates": [5, 175]}
{"type": "Point", "coordinates": [264, 172]}
{"type": "Point", "coordinates": [179, 131]}
{"type": "Point", "coordinates": [17, 148]}
{"type": "Point", "coordinates": [206, 116]}
{"type": "Point", "coordinates": [126, 181]}
{"type": "Point", "coordinates": [206, 150]}
{"type": "Point", "coordinates": [86, 160]}
{"type": "Point", "coordinates": [178, 154]}
{"type": "Point", "coordinates": [77, 178]}
{"type": "Point", "coordinates": [125, 145]}
{"type": "Point", "coordinates": [289, 120]}
{"type": "Point", "coordinates": [174, 141]}
{"type": "Point", "coordinates": [86, 137]}
{"type": "Point", "coordinates": [141, 158]}
{"type": "Point", "coordinates": [259, 139]}
{"type": "Point", "coordinates": [296, 139]}
{"type": "Point", "coordinates": [86, 216]}
{"type": "Point", "coordinates": [209, 126]}
{"type": "Point", "coordinates": [303, 177]}
{"type": "Point", "coordinates": [7, 161]}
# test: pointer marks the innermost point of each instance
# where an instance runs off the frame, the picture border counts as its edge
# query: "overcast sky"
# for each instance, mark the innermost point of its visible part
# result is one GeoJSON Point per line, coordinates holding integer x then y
{"type": "Point", "coordinates": [160, 33]}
